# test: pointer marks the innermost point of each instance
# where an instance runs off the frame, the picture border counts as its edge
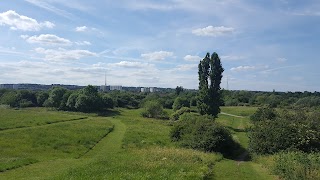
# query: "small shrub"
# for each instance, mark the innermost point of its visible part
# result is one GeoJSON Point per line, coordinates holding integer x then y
{"type": "Point", "coordinates": [153, 109]}
{"type": "Point", "coordinates": [200, 132]}
{"type": "Point", "coordinates": [175, 116]}
{"type": "Point", "coordinates": [180, 102]}
{"type": "Point", "coordinates": [25, 103]}
{"type": "Point", "coordinates": [264, 113]}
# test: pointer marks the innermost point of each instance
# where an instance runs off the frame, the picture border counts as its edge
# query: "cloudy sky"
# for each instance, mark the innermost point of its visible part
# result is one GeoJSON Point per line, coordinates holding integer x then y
{"type": "Point", "coordinates": [263, 44]}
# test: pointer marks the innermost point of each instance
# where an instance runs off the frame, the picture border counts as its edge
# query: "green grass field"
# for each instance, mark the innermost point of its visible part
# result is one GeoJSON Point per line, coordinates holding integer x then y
{"type": "Point", "coordinates": [19, 118]}
{"type": "Point", "coordinates": [239, 110]}
{"type": "Point", "coordinates": [120, 146]}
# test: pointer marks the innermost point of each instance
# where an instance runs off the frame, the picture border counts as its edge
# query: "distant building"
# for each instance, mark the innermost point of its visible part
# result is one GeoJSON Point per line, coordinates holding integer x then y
{"type": "Point", "coordinates": [6, 86]}
{"type": "Point", "coordinates": [153, 89]}
{"type": "Point", "coordinates": [144, 89]}
{"type": "Point", "coordinates": [149, 89]}
{"type": "Point", "coordinates": [113, 88]}
{"type": "Point", "coordinates": [104, 88]}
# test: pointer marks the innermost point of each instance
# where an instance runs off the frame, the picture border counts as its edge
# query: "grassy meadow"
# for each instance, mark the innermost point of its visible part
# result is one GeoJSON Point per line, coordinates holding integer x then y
{"type": "Point", "coordinates": [122, 145]}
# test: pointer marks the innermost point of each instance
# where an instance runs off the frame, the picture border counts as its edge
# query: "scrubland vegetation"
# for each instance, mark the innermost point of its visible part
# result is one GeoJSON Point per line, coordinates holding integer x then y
{"type": "Point", "coordinates": [182, 134]}
{"type": "Point", "coordinates": [155, 135]}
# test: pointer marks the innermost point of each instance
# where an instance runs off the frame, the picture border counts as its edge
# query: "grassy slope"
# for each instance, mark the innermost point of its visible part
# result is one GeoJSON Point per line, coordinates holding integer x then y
{"type": "Point", "coordinates": [140, 148]}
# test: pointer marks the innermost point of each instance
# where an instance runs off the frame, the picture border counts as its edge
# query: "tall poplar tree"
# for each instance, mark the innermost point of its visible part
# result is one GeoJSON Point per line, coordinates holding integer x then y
{"type": "Point", "coordinates": [210, 75]}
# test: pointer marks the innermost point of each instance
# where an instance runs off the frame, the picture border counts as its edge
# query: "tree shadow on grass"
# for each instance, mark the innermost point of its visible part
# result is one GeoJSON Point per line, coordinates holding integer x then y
{"type": "Point", "coordinates": [238, 153]}
{"type": "Point", "coordinates": [238, 130]}
{"type": "Point", "coordinates": [109, 113]}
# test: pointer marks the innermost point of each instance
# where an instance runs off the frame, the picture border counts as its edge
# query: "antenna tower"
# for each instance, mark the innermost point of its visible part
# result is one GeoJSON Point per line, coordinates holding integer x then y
{"type": "Point", "coordinates": [227, 82]}
{"type": "Point", "coordinates": [105, 79]}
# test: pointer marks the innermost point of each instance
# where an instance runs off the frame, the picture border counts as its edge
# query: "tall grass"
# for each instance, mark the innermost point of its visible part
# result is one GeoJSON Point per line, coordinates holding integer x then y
{"type": "Point", "coordinates": [71, 139]}
{"type": "Point", "coordinates": [137, 148]}
{"type": "Point", "coordinates": [17, 118]}
{"type": "Point", "coordinates": [298, 165]}
{"type": "Point", "coordinates": [148, 163]}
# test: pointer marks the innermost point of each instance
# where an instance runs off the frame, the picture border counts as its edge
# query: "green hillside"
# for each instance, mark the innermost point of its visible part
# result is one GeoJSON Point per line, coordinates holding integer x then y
{"type": "Point", "coordinates": [122, 145]}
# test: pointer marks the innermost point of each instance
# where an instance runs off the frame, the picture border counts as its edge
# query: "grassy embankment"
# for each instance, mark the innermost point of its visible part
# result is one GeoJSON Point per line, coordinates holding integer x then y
{"type": "Point", "coordinates": [81, 146]}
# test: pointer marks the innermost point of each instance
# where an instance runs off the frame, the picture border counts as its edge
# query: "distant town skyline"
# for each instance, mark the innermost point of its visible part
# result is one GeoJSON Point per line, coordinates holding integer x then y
{"type": "Point", "coordinates": [263, 45]}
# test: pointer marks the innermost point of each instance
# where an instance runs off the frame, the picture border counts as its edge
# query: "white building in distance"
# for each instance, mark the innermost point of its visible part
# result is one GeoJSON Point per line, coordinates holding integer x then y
{"type": "Point", "coordinates": [117, 87]}
{"type": "Point", "coordinates": [147, 89]}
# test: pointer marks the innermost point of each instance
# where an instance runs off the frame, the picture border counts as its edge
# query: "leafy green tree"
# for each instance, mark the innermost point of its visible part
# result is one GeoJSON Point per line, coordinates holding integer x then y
{"type": "Point", "coordinates": [9, 98]}
{"type": "Point", "coordinates": [283, 131]}
{"type": "Point", "coordinates": [89, 100]}
{"type": "Point", "coordinates": [179, 89]}
{"type": "Point", "coordinates": [72, 101]}
{"type": "Point", "coordinates": [55, 97]}
{"type": "Point", "coordinates": [27, 98]}
{"type": "Point", "coordinates": [42, 96]}
{"type": "Point", "coordinates": [210, 75]}
{"type": "Point", "coordinates": [63, 103]}
{"type": "Point", "coordinates": [180, 102]}
{"type": "Point", "coordinates": [107, 101]}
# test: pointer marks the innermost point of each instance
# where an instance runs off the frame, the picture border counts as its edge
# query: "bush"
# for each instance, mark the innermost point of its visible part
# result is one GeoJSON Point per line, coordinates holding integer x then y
{"type": "Point", "coordinates": [199, 132]}
{"type": "Point", "coordinates": [297, 165]}
{"type": "Point", "coordinates": [180, 102]}
{"type": "Point", "coordinates": [153, 109]}
{"type": "Point", "coordinates": [286, 131]}
{"type": "Point", "coordinates": [264, 113]}
{"type": "Point", "coordinates": [175, 116]}
{"type": "Point", "coordinates": [25, 103]}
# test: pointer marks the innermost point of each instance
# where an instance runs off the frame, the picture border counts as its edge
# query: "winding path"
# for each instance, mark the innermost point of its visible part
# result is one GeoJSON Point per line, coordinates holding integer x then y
{"type": "Point", "coordinates": [109, 145]}
{"type": "Point", "coordinates": [231, 115]}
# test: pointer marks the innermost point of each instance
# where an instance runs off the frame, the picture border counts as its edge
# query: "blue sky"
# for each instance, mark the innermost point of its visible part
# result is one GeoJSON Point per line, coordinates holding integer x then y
{"type": "Point", "coordinates": [263, 44]}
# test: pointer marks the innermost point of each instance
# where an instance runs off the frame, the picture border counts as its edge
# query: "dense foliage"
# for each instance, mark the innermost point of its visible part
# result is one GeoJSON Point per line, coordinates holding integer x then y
{"type": "Point", "coordinates": [210, 74]}
{"type": "Point", "coordinates": [176, 115]}
{"type": "Point", "coordinates": [180, 102]}
{"type": "Point", "coordinates": [200, 132]}
{"type": "Point", "coordinates": [297, 165]}
{"type": "Point", "coordinates": [287, 130]}
{"type": "Point", "coordinates": [153, 109]}
{"type": "Point", "coordinates": [272, 99]}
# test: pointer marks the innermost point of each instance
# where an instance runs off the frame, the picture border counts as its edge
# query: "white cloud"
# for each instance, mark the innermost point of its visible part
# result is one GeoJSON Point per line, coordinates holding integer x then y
{"type": "Point", "coordinates": [24, 36]}
{"type": "Point", "coordinates": [150, 6]}
{"type": "Point", "coordinates": [49, 7]}
{"type": "Point", "coordinates": [20, 22]}
{"type": "Point", "coordinates": [48, 39]}
{"type": "Point", "coordinates": [47, 24]}
{"type": "Point", "coordinates": [242, 68]}
{"type": "Point", "coordinates": [81, 29]}
{"type": "Point", "coordinates": [83, 43]}
{"type": "Point", "coordinates": [231, 57]}
{"type": "Point", "coordinates": [63, 54]}
{"type": "Point", "coordinates": [159, 55]}
{"type": "Point", "coordinates": [281, 59]}
{"type": "Point", "coordinates": [131, 64]}
{"type": "Point", "coordinates": [213, 31]}
{"type": "Point", "coordinates": [192, 58]}
{"type": "Point", "coordinates": [186, 67]}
